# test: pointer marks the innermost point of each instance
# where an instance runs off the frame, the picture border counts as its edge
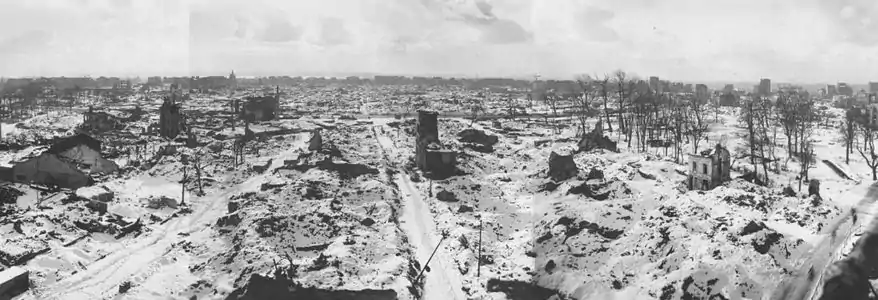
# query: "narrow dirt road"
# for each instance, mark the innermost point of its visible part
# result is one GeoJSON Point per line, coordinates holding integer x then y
{"type": "Point", "coordinates": [444, 280]}
{"type": "Point", "coordinates": [140, 259]}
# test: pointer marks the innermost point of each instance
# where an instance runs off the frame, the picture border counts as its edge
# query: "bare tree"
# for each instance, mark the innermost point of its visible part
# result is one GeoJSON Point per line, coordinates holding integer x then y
{"type": "Point", "coordinates": [196, 163]}
{"type": "Point", "coordinates": [848, 133]}
{"type": "Point", "coordinates": [511, 108]}
{"type": "Point", "coordinates": [476, 108]}
{"type": "Point", "coordinates": [621, 80]}
{"type": "Point", "coordinates": [584, 101]}
{"type": "Point", "coordinates": [551, 99]}
{"type": "Point", "coordinates": [867, 147]}
{"type": "Point", "coordinates": [787, 116]}
{"type": "Point", "coordinates": [605, 90]}
{"type": "Point", "coordinates": [697, 125]}
{"type": "Point", "coordinates": [748, 117]}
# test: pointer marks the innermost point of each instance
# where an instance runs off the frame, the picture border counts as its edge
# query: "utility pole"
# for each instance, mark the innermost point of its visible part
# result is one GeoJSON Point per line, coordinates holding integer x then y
{"type": "Point", "coordinates": [479, 269]}
{"type": "Point", "coordinates": [183, 183]}
{"type": "Point", "coordinates": [431, 257]}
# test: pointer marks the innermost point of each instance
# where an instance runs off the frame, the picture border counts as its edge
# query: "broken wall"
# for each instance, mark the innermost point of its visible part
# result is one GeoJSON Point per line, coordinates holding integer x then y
{"type": "Point", "coordinates": [47, 169]}
{"type": "Point", "coordinates": [169, 120]}
{"type": "Point", "coordinates": [429, 155]}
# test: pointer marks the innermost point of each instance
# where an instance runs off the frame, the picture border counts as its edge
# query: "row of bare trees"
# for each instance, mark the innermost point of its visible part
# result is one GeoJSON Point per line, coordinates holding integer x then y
{"type": "Point", "coordinates": [792, 113]}
{"type": "Point", "coordinates": [859, 132]}
{"type": "Point", "coordinates": [644, 117]}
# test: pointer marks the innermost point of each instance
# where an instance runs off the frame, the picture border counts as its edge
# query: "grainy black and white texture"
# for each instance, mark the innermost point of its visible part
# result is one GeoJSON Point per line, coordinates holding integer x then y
{"type": "Point", "coordinates": [437, 149]}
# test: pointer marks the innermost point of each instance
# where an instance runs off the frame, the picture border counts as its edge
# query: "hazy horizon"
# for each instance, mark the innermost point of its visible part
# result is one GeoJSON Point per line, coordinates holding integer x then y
{"type": "Point", "coordinates": [807, 41]}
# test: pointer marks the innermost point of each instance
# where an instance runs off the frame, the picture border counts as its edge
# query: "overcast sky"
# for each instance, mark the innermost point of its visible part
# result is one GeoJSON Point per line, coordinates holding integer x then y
{"type": "Point", "coordinates": [688, 40]}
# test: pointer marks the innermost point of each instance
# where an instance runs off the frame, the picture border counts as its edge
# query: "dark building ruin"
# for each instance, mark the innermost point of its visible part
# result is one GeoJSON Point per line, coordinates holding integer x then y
{"type": "Point", "coordinates": [429, 153]}
{"type": "Point", "coordinates": [264, 108]}
{"type": "Point", "coordinates": [99, 121]}
{"type": "Point", "coordinates": [170, 118]}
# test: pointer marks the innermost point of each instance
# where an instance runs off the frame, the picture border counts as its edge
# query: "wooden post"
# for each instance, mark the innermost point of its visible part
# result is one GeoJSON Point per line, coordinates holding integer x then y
{"type": "Point", "coordinates": [479, 259]}
{"type": "Point", "coordinates": [183, 188]}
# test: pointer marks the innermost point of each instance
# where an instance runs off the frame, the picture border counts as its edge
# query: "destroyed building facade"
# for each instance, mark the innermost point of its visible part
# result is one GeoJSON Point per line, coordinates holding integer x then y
{"type": "Point", "coordinates": [66, 164]}
{"type": "Point", "coordinates": [709, 169]}
{"type": "Point", "coordinates": [264, 108]}
{"type": "Point", "coordinates": [170, 118]}
{"type": "Point", "coordinates": [429, 154]}
{"type": "Point", "coordinates": [99, 121]}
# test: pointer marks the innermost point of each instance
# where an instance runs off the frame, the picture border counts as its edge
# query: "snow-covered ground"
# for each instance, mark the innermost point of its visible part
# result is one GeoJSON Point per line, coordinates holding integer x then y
{"type": "Point", "coordinates": [356, 215]}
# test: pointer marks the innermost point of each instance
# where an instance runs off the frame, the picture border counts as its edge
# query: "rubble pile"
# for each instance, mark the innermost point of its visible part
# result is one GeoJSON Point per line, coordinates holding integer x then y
{"type": "Point", "coordinates": [477, 140]}
{"type": "Point", "coordinates": [322, 220]}
{"type": "Point", "coordinates": [596, 140]}
{"type": "Point", "coordinates": [703, 237]}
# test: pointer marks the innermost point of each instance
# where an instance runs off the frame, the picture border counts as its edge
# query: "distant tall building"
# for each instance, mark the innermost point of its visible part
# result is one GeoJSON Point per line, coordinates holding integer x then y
{"type": "Point", "coordinates": [845, 90]}
{"type": "Point", "coordinates": [729, 88]}
{"type": "Point", "coordinates": [701, 93]}
{"type": "Point", "coordinates": [687, 88]}
{"type": "Point", "coordinates": [873, 87]}
{"type": "Point", "coordinates": [665, 86]}
{"type": "Point", "coordinates": [677, 87]}
{"type": "Point", "coordinates": [233, 81]}
{"type": "Point", "coordinates": [831, 90]}
{"type": "Point", "coordinates": [765, 87]}
{"type": "Point", "coordinates": [654, 84]}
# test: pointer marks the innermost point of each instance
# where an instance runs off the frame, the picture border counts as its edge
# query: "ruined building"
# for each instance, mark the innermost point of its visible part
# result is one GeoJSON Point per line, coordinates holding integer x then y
{"type": "Point", "coordinates": [67, 164]}
{"type": "Point", "coordinates": [429, 155]}
{"type": "Point", "coordinates": [710, 168]}
{"type": "Point", "coordinates": [170, 119]}
{"type": "Point", "coordinates": [99, 121]}
{"type": "Point", "coordinates": [596, 139]}
{"type": "Point", "coordinates": [265, 108]}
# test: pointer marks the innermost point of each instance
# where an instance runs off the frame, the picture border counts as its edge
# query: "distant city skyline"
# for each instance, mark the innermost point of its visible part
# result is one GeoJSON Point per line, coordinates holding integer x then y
{"type": "Point", "coordinates": [806, 41]}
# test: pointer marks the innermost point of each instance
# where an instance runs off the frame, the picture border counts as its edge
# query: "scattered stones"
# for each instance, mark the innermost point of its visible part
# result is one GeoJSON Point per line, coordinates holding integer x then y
{"type": "Point", "coordinates": [367, 222]}
{"type": "Point", "coordinates": [464, 209]}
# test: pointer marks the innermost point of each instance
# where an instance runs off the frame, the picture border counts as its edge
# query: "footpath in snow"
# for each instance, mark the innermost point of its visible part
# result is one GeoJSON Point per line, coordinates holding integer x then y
{"type": "Point", "coordinates": [442, 281]}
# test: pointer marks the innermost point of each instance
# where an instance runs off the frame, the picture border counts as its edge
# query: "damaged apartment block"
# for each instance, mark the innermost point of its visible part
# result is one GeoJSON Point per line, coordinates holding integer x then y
{"type": "Point", "coordinates": [429, 154]}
